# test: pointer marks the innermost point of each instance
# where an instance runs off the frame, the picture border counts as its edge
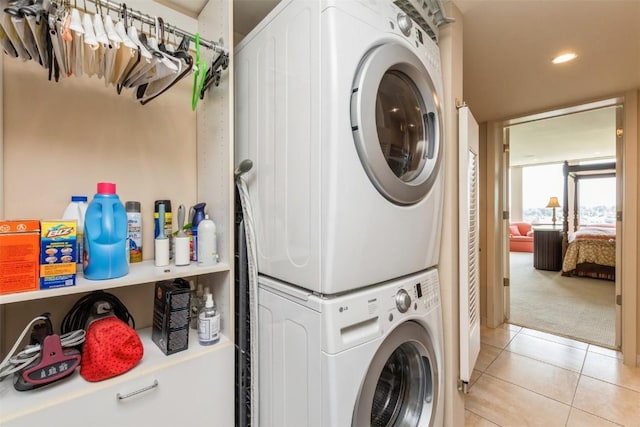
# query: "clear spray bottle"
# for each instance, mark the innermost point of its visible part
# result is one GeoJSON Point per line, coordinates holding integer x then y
{"type": "Point", "coordinates": [208, 323]}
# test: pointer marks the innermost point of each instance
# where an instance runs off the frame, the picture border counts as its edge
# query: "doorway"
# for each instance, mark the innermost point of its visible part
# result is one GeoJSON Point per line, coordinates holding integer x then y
{"type": "Point", "coordinates": [539, 294]}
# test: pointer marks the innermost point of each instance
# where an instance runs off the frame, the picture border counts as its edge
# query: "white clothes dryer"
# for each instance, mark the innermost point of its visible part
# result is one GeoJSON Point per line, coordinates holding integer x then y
{"type": "Point", "coordinates": [372, 357]}
{"type": "Point", "coordinates": [339, 106]}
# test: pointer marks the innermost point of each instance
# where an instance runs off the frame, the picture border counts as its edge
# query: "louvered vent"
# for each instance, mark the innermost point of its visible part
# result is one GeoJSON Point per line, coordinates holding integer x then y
{"type": "Point", "coordinates": [428, 14]}
{"type": "Point", "coordinates": [474, 238]}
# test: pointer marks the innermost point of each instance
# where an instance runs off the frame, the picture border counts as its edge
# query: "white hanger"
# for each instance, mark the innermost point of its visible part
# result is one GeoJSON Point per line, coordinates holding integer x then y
{"type": "Point", "coordinates": [90, 48]}
{"type": "Point", "coordinates": [26, 37]}
{"type": "Point", "coordinates": [112, 49]}
{"type": "Point", "coordinates": [133, 36]}
{"type": "Point", "coordinates": [10, 31]}
{"type": "Point", "coordinates": [158, 86]}
{"type": "Point", "coordinates": [7, 46]}
{"type": "Point", "coordinates": [77, 49]}
{"type": "Point", "coordinates": [127, 56]}
{"type": "Point", "coordinates": [103, 42]}
{"type": "Point", "coordinates": [40, 35]}
{"type": "Point", "coordinates": [56, 24]}
{"type": "Point", "coordinates": [162, 67]}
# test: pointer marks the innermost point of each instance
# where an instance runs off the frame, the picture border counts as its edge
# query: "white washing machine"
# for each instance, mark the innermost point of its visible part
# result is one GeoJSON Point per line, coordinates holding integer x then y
{"type": "Point", "coordinates": [339, 106]}
{"type": "Point", "coordinates": [372, 357]}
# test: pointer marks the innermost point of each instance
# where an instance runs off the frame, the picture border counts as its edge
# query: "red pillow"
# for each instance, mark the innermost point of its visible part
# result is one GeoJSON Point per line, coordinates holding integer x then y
{"type": "Point", "coordinates": [111, 348]}
{"type": "Point", "coordinates": [514, 230]}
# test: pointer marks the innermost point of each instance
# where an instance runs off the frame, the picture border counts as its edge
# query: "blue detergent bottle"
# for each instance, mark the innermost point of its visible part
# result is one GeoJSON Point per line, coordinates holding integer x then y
{"type": "Point", "coordinates": [198, 215]}
{"type": "Point", "coordinates": [105, 235]}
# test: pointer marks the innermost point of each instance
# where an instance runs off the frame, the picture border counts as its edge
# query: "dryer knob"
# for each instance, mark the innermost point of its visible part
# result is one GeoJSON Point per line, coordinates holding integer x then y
{"type": "Point", "coordinates": [403, 301]}
{"type": "Point", "coordinates": [404, 23]}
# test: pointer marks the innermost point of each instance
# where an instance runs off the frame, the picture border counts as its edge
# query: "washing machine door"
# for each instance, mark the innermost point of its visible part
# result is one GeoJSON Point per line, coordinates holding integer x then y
{"type": "Point", "coordinates": [396, 122]}
{"type": "Point", "coordinates": [401, 385]}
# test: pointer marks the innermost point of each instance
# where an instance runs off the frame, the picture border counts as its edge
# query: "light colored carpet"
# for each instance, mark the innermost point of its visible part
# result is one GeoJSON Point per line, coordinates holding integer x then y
{"type": "Point", "coordinates": [576, 307]}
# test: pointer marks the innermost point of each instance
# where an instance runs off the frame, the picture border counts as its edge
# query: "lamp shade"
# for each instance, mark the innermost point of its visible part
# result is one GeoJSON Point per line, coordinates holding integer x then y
{"type": "Point", "coordinates": [553, 203]}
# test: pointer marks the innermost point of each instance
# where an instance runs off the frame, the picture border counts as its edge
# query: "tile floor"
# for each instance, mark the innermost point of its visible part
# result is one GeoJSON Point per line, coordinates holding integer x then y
{"type": "Point", "coordinates": [529, 378]}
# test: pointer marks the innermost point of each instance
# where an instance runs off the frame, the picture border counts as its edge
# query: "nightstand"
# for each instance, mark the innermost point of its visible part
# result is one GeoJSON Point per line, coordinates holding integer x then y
{"type": "Point", "coordinates": [547, 248]}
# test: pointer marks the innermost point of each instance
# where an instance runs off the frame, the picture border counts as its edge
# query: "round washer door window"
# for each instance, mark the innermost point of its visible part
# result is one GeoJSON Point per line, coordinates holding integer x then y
{"type": "Point", "coordinates": [401, 386]}
{"type": "Point", "coordinates": [396, 122]}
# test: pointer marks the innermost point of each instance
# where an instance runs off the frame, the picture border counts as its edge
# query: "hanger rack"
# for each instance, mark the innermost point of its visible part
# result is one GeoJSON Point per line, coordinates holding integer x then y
{"type": "Point", "coordinates": [150, 20]}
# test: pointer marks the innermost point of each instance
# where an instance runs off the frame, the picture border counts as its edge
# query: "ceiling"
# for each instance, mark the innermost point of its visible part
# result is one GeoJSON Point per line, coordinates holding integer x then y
{"type": "Point", "coordinates": [508, 46]}
{"type": "Point", "coordinates": [573, 137]}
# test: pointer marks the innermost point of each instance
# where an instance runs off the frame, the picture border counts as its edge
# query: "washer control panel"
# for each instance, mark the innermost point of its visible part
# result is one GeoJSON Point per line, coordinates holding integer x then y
{"type": "Point", "coordinates": [419, 295]}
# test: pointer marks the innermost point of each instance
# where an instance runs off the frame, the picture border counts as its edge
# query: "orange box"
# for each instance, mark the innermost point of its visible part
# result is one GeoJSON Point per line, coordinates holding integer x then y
{"type": "Point", "coordinates": [19, 256]}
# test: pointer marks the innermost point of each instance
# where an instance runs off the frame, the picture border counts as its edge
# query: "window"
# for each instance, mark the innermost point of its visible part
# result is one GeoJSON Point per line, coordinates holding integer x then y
{"type": "Point", "coordinates": [539, 183]}
{"type": "Point", "coordinates": [597, 200]}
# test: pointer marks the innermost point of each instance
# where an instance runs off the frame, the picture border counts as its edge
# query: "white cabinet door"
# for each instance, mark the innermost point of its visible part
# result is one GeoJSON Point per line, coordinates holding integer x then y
{"type": "Point", "coordinates": [190, 392]}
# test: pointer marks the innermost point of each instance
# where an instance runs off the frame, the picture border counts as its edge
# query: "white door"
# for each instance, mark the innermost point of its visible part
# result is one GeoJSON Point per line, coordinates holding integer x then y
{"type": "Point", "coordinates": [619, 193]}
{"type": "Point", "coordinates": [396, 123]}
{"type": "Point", "coordinates": [506, 217]}
{"type": "Point", "coordinates": [469, 231]}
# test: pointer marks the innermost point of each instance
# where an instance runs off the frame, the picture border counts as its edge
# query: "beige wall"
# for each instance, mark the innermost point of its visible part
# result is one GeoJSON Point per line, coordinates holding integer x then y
{"type": "Point", "coordinates": [451, 50]}
{"type": "Point", "coordinates": [62, 138]}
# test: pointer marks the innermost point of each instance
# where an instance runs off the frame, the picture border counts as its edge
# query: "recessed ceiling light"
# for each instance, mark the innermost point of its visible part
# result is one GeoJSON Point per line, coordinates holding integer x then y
{"type": "Point", "coordinates": [565, 57]}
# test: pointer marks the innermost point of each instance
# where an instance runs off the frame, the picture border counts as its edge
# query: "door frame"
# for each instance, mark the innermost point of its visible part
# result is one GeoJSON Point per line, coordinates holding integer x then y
{"type": "Point", "coordinates": [627, 270]}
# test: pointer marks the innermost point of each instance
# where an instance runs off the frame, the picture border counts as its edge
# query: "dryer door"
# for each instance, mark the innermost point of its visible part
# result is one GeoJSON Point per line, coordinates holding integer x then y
{"type": "Point", "coordinates": [396, 123]}
{"type": "Point", "coordinates": [401, 385]}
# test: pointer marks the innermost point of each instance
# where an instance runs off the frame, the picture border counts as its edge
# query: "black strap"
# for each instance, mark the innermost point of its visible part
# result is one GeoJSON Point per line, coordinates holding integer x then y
{"type": "Point", "coordinates": [82, 310]}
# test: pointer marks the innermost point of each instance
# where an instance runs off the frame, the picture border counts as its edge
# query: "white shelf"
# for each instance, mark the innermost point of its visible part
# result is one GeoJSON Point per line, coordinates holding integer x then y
{"type": "Point", "coordinates": [16, 404]}
{"type": "Point", "coordinates": [144, 272]}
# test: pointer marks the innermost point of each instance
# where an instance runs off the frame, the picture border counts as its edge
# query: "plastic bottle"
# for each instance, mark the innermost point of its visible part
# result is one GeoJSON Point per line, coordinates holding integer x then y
{"type": "Point", "coordinates": [193, 304]}
{"type": "Point", "coordinates": [198, 215]}
{"type": "Point", "coordinates": [105, 235]}
{"type": "Point", "coordinates": [207, 247]}
{"type": "Point", "coordinates": [197, 302]}
{"type": "Point", "coordinates": [208, 323]}
{"type": "Point", "coordinates": [168, 223]}
{"type": "Point", "coordinates": [77, 210]}
{"type": "Point", "coordinates": [134, 223]}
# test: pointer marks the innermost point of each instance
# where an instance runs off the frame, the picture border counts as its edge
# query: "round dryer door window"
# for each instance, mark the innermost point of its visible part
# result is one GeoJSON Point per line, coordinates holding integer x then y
{"type": "Point", "coordinates": [401, 386]}
{"type": "Point", "coordinates": [396, 122]}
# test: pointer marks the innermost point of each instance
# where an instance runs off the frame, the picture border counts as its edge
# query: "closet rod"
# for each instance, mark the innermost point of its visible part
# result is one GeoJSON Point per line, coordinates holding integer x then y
{"type": "Point", "coordinates": [148, 19]}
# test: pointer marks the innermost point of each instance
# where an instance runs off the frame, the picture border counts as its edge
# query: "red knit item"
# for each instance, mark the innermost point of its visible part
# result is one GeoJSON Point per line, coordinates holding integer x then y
{"type": "Point", "coordinates": [111, 348]}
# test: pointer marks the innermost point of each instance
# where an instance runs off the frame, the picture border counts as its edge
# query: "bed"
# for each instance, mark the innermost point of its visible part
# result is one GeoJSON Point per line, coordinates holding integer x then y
{"type": "Point", "coordinates": [588, 250]}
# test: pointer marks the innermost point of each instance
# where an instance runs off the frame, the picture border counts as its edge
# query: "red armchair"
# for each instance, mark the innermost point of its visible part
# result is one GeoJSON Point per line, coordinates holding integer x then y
{"type": "Point", "coordinates": [520, 237]}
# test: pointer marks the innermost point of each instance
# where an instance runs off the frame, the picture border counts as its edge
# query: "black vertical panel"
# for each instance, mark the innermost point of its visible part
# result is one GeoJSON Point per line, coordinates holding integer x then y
{"type": "Point", "coordinates": [242, 319]}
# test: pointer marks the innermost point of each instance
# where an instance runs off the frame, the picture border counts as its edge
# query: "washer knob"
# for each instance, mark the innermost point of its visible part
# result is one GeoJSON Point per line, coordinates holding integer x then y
{"type": "Point", "coordinates": [403, 301]}
{"type": "Point", "coordinates": [404, 23]}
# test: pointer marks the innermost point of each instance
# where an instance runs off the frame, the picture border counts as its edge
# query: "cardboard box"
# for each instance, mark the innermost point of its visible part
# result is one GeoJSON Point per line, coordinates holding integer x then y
{"type": "Point", "coordinates": [58, 253]}
{"type": "Point", "coordinates": [19, 254]}
{"type": "Point", "coordinates": [171, 311]}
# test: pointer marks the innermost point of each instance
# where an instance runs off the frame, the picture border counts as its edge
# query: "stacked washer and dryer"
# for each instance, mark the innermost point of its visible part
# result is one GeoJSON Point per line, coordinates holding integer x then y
{"type": "Point", "coordinates": [338, 105]}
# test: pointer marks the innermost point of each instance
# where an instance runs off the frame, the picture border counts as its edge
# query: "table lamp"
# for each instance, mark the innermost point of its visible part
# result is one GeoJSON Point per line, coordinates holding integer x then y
{"type": "Point", "coordinates": [553, 203]}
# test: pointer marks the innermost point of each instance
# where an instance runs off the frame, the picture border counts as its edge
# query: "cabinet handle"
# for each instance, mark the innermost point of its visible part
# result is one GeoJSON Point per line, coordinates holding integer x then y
{"type": "Point", "coordinates": [133, 393]}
